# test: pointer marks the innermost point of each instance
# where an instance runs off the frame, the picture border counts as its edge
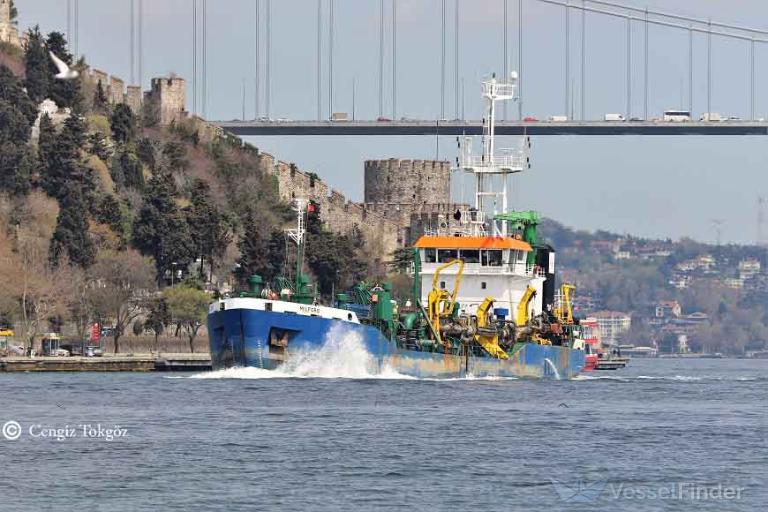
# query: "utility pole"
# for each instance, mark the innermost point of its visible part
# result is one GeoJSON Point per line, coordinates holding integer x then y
{"type": "Point", "coordinates": [717, 224]}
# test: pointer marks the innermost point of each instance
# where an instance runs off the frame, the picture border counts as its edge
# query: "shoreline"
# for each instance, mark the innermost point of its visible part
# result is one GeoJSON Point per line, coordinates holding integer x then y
{"type": "Point", "coordinates": [163, 362]}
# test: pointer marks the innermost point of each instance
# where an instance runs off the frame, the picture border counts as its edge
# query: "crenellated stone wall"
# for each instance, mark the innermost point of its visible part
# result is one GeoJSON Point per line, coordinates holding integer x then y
{"type": "Point", "coordinates": [339, 214]}
{"type": "Point", "coordinates": [407, 181]}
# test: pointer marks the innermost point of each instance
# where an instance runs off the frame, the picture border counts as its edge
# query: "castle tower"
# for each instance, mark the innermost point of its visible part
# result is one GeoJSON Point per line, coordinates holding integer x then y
{"type": "Point", "coordinates": [8, 31]}
{"type": "Point", "coordinates": [414, 182]}
{"type": "Point", "coordinates": [169, 98]}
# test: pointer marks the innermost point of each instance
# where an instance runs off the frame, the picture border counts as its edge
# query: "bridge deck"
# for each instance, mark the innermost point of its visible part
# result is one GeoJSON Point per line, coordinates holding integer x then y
{"type": "Point", "coordinates": [244, 128]}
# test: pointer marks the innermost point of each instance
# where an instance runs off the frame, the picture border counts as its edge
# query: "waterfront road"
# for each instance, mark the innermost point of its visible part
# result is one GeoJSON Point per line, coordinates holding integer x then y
{"type": "Point", "coordinates": [378, 128]}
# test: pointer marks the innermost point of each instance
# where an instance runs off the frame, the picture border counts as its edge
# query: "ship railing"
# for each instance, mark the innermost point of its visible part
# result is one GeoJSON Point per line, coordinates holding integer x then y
{"type": "Point", "coordinates": [478, 269]}
{"type": "Point", "coordinates": [499, 90]}
{"type": "Point", "coordinates": [515, 160]}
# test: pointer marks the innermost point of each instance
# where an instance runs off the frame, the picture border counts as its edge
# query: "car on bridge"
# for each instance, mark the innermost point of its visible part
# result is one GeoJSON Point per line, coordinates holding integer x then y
{"type": "Point", "coordinates": [529, 119]}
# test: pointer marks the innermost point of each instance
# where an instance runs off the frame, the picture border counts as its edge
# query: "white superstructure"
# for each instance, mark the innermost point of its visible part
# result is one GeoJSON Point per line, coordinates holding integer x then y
{"type": "Point", "coordinates": [496, 261]}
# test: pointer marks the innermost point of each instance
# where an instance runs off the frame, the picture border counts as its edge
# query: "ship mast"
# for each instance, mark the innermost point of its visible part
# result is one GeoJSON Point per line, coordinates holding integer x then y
{"type": "Point", "coordinates": [492, 169]}
{"type": "Point", "coordinates": [297, 235]}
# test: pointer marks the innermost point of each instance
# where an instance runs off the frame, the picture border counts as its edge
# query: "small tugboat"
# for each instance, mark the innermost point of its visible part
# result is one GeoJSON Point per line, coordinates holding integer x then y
{"type": "Point", "coordinates": [483, 302]}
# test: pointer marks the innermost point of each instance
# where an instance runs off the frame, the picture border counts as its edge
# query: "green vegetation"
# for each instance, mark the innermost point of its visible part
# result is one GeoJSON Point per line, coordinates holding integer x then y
{"type": "Point", "coordinates": [633, 275]}
{"type": "Point", "coordinates": [188, 307]}
{"type": "Point", "coordinates": [104, 212]}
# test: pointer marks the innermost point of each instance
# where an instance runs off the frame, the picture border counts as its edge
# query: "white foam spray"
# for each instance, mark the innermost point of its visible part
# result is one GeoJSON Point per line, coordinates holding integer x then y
{"type": "Point", "coordinates": [342, 356]}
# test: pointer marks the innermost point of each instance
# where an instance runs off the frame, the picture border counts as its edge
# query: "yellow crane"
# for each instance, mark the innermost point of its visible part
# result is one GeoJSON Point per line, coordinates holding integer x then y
{"type": "Point", "coordinates": [440, 303]}
{"type": "Point", "coordinates": [522, 307]}
{"type": "Point", "coordinates": [489, 342]}
{"type": "Point", "coordinates": [564, 309]}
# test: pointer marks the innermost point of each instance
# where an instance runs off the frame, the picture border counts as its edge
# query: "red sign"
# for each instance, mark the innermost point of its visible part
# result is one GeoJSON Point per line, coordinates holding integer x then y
{"type": "Point", "coordinates": [95, 333]}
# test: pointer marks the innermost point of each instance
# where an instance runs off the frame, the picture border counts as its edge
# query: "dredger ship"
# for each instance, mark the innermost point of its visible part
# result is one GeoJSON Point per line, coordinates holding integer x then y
{"type": "Point", "coordinates": [483, 300]}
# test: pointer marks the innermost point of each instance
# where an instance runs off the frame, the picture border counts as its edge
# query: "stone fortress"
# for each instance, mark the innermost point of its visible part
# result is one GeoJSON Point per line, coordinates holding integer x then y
{"type": "Point", "coordinates": [9, 33]}
{"type": "Point", "coordinates": [403, 198]}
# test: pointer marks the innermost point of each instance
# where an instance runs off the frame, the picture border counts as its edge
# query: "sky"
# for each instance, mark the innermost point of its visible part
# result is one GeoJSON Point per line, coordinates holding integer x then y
{"type": "Point", "coordinates": [642, 185]}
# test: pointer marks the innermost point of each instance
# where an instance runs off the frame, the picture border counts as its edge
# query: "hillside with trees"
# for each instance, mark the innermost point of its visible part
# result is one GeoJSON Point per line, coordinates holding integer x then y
{"type": "Point", "coordinates": [722, 289]}
{"type": "Point", "coordinates": [107, 217]}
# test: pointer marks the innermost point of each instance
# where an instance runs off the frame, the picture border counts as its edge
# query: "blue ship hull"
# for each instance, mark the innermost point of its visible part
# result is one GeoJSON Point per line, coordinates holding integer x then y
{"type": "Point", "coordinates": [245, 337]}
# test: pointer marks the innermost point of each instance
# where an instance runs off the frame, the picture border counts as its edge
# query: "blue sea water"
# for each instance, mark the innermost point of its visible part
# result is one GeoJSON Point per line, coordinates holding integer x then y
{"type": "Point", "coordinates": [664, 434]}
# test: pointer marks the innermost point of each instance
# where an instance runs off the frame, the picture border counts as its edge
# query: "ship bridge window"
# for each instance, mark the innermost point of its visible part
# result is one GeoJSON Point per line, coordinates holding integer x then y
{"type": "Point", "coordinates": [446, 255]}
{"type": "Point", "coordinates": [470, 255]}
{"type": "Point", "coordinates": [430, 255]}
{"type": "Point", "coordinates": [491, 258]}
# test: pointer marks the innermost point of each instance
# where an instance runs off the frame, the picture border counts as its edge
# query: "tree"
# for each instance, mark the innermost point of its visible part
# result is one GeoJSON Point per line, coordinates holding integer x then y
{"type": "Point", "coordinates": [146, 153]}
{"type": "Point", "coordinates": [158, 318]}
{"type": "Point", "coordinates": [62, 169]}
{"type": "Point", "coordinates": [333, 259]}
{"type": "Point", "coordinates": [123, 124]}
{"type": "Point", "coordinates": [16, 166]}
{"type": "Point", "coordinates": [160, 230]}
{"type": "Point", "coordinates": [188, 307]}
{"type": "Point", "coordinates": [12, 91]}
{"type": "Point", "coordinates": [122, 282]}
{"type": "Point", "coordinates": [259, 254]}
{"type": "Point", "coordinates": [40, 292]}
{"type": "Point", "coordinates": [207, 225]}
{"type": "Point", "coordinates": [175, 155]}
{"type": "Point", "coordinates": [65, 93]}
{"type": "Point", "coordinates": [36, 62]}
{"type": "Point", "coordinates": [71, 237]}
{"type": "Point", "coordinates": [100, 101]}
{"type": "Point", "coordinates": [126, 170]}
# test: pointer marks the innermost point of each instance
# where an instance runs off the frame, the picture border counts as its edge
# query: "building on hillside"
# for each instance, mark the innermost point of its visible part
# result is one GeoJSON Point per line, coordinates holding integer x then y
{"type": "Point", "coordinates": [9, 32]}
{"type": "Point", "coordinates": [749, 268]}
{"type": "Point", "coordinates": [612, 324]}
{"type": "Point", "coordinates": [667, 309]}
